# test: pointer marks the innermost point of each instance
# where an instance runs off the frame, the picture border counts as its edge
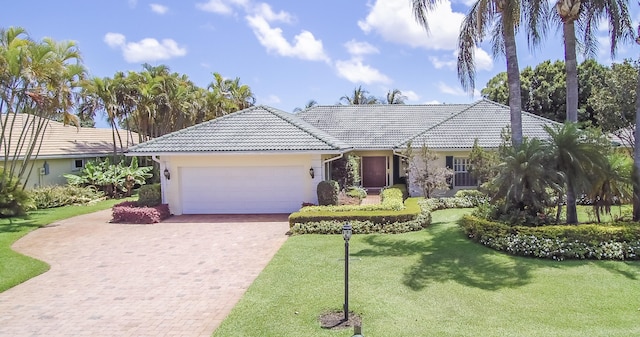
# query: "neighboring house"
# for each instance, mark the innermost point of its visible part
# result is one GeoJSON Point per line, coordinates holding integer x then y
{"type": "Point", "coordinates": [263, 160]}
{"type": "Point", "coordinates": [65, 149]}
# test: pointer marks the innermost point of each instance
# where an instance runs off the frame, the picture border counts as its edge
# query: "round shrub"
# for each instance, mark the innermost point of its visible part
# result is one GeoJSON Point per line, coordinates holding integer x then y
{"type": "Point", "coordinates": [149, 195]}
{"type": "Point", "coordinates": [327, 192]}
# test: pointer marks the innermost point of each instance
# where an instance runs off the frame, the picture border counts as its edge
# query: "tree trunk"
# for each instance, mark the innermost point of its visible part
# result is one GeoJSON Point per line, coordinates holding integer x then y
{"type": "Point", "coordinates": [571, 67]}
{"type": "Point", "coordinates": [572, 213]}
{"type": "Point", "coordinates": [636, 158]}
{"type": "Point", "coordinates": [513, 77]}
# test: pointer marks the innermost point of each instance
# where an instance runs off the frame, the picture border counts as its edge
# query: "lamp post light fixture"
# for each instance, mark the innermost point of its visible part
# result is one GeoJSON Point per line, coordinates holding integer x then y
{"type": "Point", "coordinates": [167, 174]}
{"type": "Point", "coordinates": [346, 234]}
{"type": "Point", "coordinates": [312, 173]}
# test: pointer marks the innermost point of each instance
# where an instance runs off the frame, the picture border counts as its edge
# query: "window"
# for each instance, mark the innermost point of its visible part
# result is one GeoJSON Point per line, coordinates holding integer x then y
{"type": "Point", "coordinates": [78, 164]}
{"type": "Point", "coordinates": [461, 175]}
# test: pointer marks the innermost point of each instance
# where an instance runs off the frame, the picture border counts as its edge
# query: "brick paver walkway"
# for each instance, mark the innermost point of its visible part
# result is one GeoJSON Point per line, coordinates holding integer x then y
{"type": "Point", "coordinates": [177, 278]}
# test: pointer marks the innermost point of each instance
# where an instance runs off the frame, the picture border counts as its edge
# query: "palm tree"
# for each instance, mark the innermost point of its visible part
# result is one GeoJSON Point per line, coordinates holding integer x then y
{"type": "Point", "coordinates": [359, 96]}
{"type": "Point", "coordinates": [611, 184]}
{"type": "Point", "coordinates": [580, 157]}
{"type": "Point", "coordinates": [395, 96]}
{"type": "Point", "coordinates": [636, 149]}
{"type": "Point", "coordinates": [588, 14]}
{"type": "Point", "coordinates": [310, 104]}
{"type": "Point", "coordinates": [523, 178]}
{"type": "Point", "coordinates": [481, 20]}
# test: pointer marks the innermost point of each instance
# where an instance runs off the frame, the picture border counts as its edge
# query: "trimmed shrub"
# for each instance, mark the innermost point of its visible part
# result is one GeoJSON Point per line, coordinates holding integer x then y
{"type": "Point", "coordinates": [58, 196]}
{"type": "Point", "coordinates": [474, 196]}
{"type": "Point", "coordinates": [327, 192]}
{"type": "Point", "coordinates": [14, 200]}
{"type": "Point", "coordinates": [356, 192]}
{"type": "Point", "coordinates": [391, 199]}
{"type": "Point", "coordinates": [415, 216]}
{"type": "Point", "coordinates": [129, 212]}
{"type": "Point", "coordinates": [619, 241]}
{"type": "Point", "coordinates": [149, 195]}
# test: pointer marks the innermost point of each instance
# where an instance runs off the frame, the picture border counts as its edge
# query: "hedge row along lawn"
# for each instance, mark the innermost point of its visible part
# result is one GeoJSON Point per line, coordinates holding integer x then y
{"type": "Point", "coordinates": [16, 268]}
{"type": "Point", "coordinates": [435, 282]}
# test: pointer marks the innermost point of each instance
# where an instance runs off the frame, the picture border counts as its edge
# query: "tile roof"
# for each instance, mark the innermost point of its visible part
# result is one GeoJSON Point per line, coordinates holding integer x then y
{"type": "Point", "coordinates": [258, 128]}
{"type": "Point", "coordinates": [60, 141]}
{"type": "Point", "coordinates": [483, 120]}
{"type": "Point", "coordinates": [377, 126]}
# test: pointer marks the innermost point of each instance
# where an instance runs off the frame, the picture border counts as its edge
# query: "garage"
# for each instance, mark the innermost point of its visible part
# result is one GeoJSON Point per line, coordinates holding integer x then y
{"type": "Point", "coordinates": [242, 189]}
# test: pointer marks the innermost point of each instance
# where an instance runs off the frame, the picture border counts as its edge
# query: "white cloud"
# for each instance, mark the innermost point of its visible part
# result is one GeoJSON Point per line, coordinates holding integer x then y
{"type": "Point", "coordinates": [221, 6]}
{"type": "Point", "coordinates": [360, 48]}
{"type": "Point", "coordinates": [457, 91]}
{"type": "Point", "coordinates": [482, 60]}
{"type": "Point", "coordinates": [146, 50]}
{"type": "Point", "coordinates": [440, 63]}
{"type": "Point", "coordinates": [114, 39]}
{"type": "Point", "coordinates": [355, 71]}
{"type": "Point", "coordinates": [159, 9]}
{"type": "Point", "coordinates": [305, 46]}
{"type": "Point", "coordinates": [394, 21]}
{"type": "Point", "coordinates": [432, 102]}
{"type": "Point", "coordinates": [264, 10]}
{"type": "Point", "coordinates": [411, 95]}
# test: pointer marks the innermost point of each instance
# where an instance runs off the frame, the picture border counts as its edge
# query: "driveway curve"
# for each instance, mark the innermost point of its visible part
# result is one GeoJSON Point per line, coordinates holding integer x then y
{"type": "Point", "coordinates": [180, 277]}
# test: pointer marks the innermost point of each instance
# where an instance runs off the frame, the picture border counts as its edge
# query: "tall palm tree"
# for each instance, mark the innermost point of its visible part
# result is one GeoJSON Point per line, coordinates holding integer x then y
{"type": "Point", "coordinates": [580, 156]}
{"type": "Point", "coordinates": [500, 18]}
{"type": "Point", "coordinates": [636, 148]}
{"type": "Point", "coordinates": [359, 96]}
{"type": "Point", "coordinates": [588, 14]}
{"type": "Point", "coordinates": [310, 104]}
{"type": "Point", "coordinates": [395, 96]}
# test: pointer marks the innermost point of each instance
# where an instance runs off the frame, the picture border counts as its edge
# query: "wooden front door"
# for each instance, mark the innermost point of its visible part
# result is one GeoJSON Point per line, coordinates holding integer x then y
{"type": "Point", "coordinates": [374, 171]}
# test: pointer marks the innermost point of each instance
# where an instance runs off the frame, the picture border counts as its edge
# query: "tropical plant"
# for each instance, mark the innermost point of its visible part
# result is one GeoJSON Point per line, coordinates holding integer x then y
{"type": "Point", "coordinates": [359, 96]}
{"type": "Point", "coordinates": [310, 104]}
{"type": "Point", "coordinates": [114, 180]}
{"type": "Point", "coordinates": [524, 181]}
{"type": "Point", "coordinates": [612, 184]}
{"type": "Point", "coordinates": [580, 155]}
{"type": "Point", "coordinates": [395, 96]}
{"type": "Point", "coordinates": [483, 163]}
{"type": "Point", "coordinates": [588, 14]}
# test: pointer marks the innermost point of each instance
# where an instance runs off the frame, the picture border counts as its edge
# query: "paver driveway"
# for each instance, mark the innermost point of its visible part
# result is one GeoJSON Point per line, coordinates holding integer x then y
{"type": "Point", "coordinates": [177, 278]}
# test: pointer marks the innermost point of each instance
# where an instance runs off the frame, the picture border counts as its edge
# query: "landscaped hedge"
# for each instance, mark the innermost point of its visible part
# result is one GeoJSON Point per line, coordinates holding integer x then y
{"type": "Point", "coordinates": [58, 196]}
{"type": "Point", "coordinates": [415, 216]}
{"type": "Point", "coordinates": [130, 212]}
{"type": "Point", "coordinates": [620, 241]}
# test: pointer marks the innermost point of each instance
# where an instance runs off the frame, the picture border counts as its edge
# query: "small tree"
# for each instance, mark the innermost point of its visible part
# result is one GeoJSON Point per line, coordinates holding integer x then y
{"type": "Point", "coordinates": [425, 172]}
{"type": "Point", "coordinates": [484, 164]}
{"type": "Point", "coordinates": [346, 171]}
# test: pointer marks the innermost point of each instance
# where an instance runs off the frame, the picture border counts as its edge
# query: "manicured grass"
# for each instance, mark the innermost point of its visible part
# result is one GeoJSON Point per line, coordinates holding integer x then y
{"type": "Point", "coordinates": [16, 268]}
{"type": "Point", "coordinates": [435, 283]}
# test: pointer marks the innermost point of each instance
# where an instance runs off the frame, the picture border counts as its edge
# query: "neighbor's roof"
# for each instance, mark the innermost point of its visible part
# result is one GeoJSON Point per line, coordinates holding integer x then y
{"type": "Point", "coordinates": [377, 126]}
{"type": "Point", "coordinates": [258, 128]}
{"type": "Point", "coordinates": [483, 120]}
{"type": "Point", "coordinates": [63, 141]}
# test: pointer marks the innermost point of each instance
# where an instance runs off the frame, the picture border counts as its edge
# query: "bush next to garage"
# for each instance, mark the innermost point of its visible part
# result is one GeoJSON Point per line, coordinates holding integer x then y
{"type": "Point", "coordinates": [619, 241]}
{"type": "Point", "coordinates": [415, 216]}
{"type": "Point", "coordinates": [130, 212]}
{"type": "Point", "coordinates": [58, 196]}
{"type": "Point", "coordinates": [149, 195]}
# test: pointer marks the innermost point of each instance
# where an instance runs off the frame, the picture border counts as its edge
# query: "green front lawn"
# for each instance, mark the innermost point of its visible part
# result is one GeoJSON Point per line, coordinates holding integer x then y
{"type": "Point", "coordinates": [436, 283]}
{"type": "Point", "coordinates": [16, 268]}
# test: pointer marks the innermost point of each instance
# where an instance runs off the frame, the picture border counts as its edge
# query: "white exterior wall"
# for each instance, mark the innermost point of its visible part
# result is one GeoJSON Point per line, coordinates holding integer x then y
{"type": "Point", "coordinates": [417, 162]}
{"type": "Point", "coordinates": [172, 189]}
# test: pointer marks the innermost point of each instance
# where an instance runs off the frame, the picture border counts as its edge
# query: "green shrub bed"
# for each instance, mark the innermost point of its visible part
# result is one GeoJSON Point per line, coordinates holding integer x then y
{"type": "Point", "coordinates": [58, 196]}
{"type": "Point", "coordinates": [619, 241]}
{"type": "Point", "coordinates": [415, 216]}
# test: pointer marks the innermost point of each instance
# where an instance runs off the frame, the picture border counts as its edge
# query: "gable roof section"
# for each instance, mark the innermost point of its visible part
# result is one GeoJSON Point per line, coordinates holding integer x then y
{"type": "Point", "coordinates": [377, 126]}
{"type": "Point", "coordinates": [66, 141]}
{"type": "Point", "coordinates": [484, 120]}
{"type": "Point", "coordinates": [258, 128]}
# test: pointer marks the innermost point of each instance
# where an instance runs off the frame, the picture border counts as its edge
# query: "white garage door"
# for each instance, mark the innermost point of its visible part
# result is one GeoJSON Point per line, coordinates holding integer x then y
{"type": "Point", "coordinates": [242, 190]}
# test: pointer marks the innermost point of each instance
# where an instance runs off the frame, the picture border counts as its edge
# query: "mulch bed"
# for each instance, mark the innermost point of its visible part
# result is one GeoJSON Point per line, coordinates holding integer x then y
{"type": "Point", "coordinates": [335, 320]}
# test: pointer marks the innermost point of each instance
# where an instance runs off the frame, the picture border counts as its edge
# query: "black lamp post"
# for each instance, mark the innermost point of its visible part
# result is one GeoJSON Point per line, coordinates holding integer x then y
{"type": "Point", "coordinates": [346, 234]}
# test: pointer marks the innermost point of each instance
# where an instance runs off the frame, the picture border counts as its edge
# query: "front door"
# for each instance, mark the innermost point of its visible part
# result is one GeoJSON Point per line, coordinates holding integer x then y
{"type": "Point", "coordinates": [374, 171]}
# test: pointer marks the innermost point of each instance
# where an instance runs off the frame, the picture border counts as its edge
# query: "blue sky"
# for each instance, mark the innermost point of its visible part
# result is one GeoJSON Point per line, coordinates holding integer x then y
{"type": "Point", "coordinates": [288, 52]}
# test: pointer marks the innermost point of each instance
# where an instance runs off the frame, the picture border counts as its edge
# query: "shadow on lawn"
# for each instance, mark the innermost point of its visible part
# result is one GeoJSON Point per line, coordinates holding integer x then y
{"type": "Point", "coordinates": [449, 256]}
{"type": "Point", "coordinates": [12, 225]}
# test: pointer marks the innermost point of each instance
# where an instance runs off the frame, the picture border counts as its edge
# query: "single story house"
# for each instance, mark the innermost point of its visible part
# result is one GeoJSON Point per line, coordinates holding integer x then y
{"type": "Point", "coordinates": [65, 148]}
{"type": "Point", "coordinates": [263, 160]}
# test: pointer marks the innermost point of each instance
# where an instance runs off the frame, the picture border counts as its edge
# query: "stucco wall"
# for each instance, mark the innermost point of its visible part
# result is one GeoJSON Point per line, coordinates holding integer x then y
{"type": "Point", "coordinates": [417, 162]}
{"type": "Point", "coordinates": [57, 168]}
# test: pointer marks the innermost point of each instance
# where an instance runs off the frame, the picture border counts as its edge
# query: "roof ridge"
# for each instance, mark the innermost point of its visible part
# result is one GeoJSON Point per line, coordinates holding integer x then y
{"type": "Point", "coordinates": [305, 126]}
{"type": "Point", "coordinates": [468, 106]}
{"type": "Point", "coordinates": [196, 126]}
